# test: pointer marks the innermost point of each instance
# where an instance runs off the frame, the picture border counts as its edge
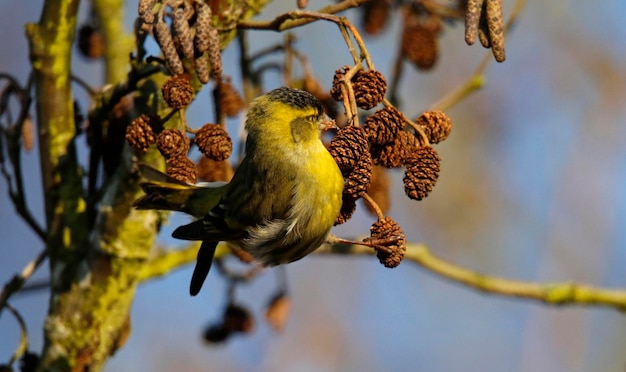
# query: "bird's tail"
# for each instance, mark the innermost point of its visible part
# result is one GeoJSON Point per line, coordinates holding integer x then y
{"type": "Point", "coordinates": [203, 266]}
{"type": "Point", "coordinates": [167, 193]}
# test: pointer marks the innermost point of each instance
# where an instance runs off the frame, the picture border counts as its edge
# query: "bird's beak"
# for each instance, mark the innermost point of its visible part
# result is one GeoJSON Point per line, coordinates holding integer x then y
{"type": "Point", "coordinates": [326, 123]}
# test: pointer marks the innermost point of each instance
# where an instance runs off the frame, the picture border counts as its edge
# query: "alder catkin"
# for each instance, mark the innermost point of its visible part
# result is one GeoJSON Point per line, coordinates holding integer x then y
{"type": "Point", "coordinates": [166, 43]}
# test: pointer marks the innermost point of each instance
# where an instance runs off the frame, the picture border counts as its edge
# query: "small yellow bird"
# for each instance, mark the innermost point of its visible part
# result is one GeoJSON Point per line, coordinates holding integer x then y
{"type": "Point", "coordinates": [281, 202]}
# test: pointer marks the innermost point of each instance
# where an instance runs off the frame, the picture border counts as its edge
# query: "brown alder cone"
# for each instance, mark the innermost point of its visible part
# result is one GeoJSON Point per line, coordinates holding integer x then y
{"type": "Point", "coordinates": [182, 169]}
{"type": "Point", "coordinates": [419, 43]}
{"type": "Point", "coordinates": [231, 102]}
{"type": "Point", "coordinates": [421, 173]}
{"type": "Point", "coordinates": [396, 153]}
{"type": "Point", "coordinates": [238, 319]}
{"type": "Point", "coordinates": [140, 133]}
{"type": "Point", "coordinates": [172, 143]}
{"type": "Point", "coordinates": [435, 124]}
{"type": "Point", "coordinates": [177, 91]}
{"type": "Point", "coordinates": [348, 207]}
{"type": "Point", "coordinates": [216, 333]}
{"type": "Point", "coordinates": [358, 181]}
{"type": "Point", "coordinates": [382, 127]}
{"type": "Point", "coordinates": [214, 142]}
{"type": "Point", "coordinates": [278, 310]}
{"type": "Point", "coordinates": [28, 133]}
{"type": "Point", "coordinates": [389, 234]}
{"type": "Point", "coordinates": [375, 15]}
{"type": "Point", "coordinates": [347, 147]}
{"type": "Point", "coordinates": [369, 88]}
{"type": "Point", "coordinates": [90, 42]}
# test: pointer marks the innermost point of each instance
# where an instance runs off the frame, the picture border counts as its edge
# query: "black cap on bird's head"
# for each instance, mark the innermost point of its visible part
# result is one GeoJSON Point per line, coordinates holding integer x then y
{"type": "Point", "coordinates": [295, 97]}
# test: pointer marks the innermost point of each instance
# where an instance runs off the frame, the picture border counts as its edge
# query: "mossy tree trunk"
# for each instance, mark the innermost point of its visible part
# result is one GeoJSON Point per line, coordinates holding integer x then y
{"type": "Point", "coordinates": [93, 262]}
{"type": "Point", "coordinates": [96, 247]}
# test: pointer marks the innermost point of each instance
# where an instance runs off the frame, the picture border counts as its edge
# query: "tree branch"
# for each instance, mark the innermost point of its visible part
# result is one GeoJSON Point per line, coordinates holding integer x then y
{"type": "Point", "coordinates": [298, 18]}
{"type": "Point", "coordinates": [558, 294]}
{"type": "Point", "coordinates": [50, 50]}
{"type": "Point", "coordinates": [549, 293]}
{"type": "Point", "coordinates": [17, 282]}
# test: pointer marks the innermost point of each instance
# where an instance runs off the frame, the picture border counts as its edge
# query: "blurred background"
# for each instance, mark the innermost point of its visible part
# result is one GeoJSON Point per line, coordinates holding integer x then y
{"type": "Point", "coordinates": [532, 187]}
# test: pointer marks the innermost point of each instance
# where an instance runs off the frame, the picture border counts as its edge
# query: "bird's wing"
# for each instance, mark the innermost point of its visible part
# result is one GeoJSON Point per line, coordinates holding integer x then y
{"type": "Point", "coordinates": [166, 193]}
{"type": "Point", "coordinates": [211, 227]}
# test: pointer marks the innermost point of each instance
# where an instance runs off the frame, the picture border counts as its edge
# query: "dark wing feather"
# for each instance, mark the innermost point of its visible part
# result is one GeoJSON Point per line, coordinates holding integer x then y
{"type": "Point", "coordinates": [211, 227]}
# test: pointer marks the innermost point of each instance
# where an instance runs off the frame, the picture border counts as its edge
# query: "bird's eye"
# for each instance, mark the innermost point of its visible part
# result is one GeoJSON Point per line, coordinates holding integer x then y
{"type": "Point", "coordinates": [304, 128]}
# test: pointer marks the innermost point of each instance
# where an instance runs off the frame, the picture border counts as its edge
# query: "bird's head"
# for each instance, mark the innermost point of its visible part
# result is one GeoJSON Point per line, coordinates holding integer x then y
{"type": "Point", "coordinates": [285, 113]}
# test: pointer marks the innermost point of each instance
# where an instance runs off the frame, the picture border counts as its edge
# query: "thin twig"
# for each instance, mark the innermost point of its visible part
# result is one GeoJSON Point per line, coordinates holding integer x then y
{"type": "Point", "coordinates": [347, 92]}
{"type": "Point", "coordinates": [20, 205]}
{"type": "Point", "coordinates": [266, 52]}
{"type": "Point", "coordinates": [514, 16]}
{"type": "Point", "coordinates": [396, 73]}
{"type": "Point", "coordinates": [250, 82]}
{"type": "Point", "coordinates": [379, 213]}
{"type": "Point", "coordinates": [34, 286]}
{"type": "Point", "coordinates": [17, 191]}
{"type": "Point", "coordinates": [237, 277]}
{"type": "Point", "coordinates": [17, 282]}
{"type": "Point", "coordinates": [183, 120]}
{"type": "Point", "coordinates": [281, 279]}
{"type": "Point", "coordinates": [291, 20]}
{"type": "Point", "coordinates": [278, 24]}
{"type": "Point", "coordinates": [265, 67]}
{"type": "Point", "coordinates": [23, 346]}
{"type": "Point", "coordinates": [83, 84]}
{"type": "Point", "coordinates": [359, 40]}
{"type": "Point", "coordinates": [356, 57]}
{"type": "Point", "coordinates": [289, 55]}
{"type": "Point", "coordinates": [220, 117]}
{"type": "Point", "coordinates": [471, 85]}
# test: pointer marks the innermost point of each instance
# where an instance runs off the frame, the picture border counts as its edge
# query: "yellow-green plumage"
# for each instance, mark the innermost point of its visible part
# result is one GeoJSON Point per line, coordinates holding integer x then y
{"type": "Point", "coordinates": [284, 196]}
{"type": "Point", "coordinates": [166, 193]}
